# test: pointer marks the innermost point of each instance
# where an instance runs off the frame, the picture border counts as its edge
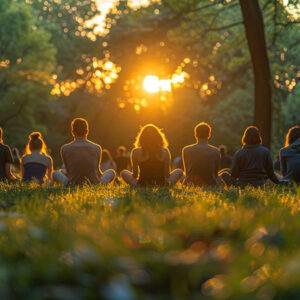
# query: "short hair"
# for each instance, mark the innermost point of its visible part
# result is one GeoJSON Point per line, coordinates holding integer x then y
{"type": "Point", "coordinates": [1, 132]}
{"type": "Point", "coordinates": [79, 127]}
{"type": "Point", "coordinates": [252, 136]}
{"type": "Point", "coordinates": [203, 130]}
{"type": "Point", "coordinates": [292, 135]}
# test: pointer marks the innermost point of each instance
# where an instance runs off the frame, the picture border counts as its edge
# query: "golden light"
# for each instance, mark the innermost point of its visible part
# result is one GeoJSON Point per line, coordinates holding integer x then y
{"type": "Point", "coordinates": [108, 65]}
{"type": "Point", "coordinates": [151, 84]}
{"type": "Point", "coordinates": [165, 85]}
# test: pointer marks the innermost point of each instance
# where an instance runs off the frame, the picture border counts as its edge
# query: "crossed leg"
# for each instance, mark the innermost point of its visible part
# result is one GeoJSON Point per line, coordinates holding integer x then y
{"type": "Point", "coordinates": [108, 176]}
{"type": "Point", "coordinates": [174, 176]}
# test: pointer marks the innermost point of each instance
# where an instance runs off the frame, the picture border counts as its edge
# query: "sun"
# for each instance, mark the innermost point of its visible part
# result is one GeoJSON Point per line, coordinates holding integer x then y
{"type": "Point", "coordinates": [151, 84]}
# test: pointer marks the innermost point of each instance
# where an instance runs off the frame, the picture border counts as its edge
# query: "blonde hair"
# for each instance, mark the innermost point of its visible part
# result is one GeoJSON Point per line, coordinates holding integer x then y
{"type": "Point", "coordinates": [36, 142]}
{"type": "Point", "coordinates": [151, 139]}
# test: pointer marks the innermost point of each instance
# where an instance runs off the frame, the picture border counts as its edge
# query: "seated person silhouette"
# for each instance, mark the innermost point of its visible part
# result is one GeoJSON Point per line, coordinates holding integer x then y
{"type": "Point", "coordinates": [6, 160]}
{"type": "Point", "coordinates": [201, 161]}
{"type": "Point", "coordinates": [122, 161]}
{"type": "Point", "coordinates": [226, 159]}
{"type": "Point", "coordinates": [290, 156]}
{"type": "Point", "coordinates": [82, 159]}
{"type": "Point", "coordinates": [151, 160]}
{"type": "Point", "coordinates": [253, 164]}
{"type": "Point", "coordinates": [107, 161]}
{"type": "Point", "coordinates": [36, 163]}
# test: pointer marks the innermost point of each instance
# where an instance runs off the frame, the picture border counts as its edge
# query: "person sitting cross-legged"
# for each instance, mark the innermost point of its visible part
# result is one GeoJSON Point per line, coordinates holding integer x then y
{"type": "Point", "coordinates": [36, 164]}
{"type": "Point", "coordinates": [151, 160]}
{"type": "Point", "coordinates": [252, 165]}
{"type": "Point", "coordinates": [201, 161]}
{"type": "Point", "coordinates": [82, 159]}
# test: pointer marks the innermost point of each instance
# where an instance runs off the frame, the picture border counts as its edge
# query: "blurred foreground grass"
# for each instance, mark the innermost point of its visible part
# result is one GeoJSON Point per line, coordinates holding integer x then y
{"type": "Point", "coordinates": [121, 243]}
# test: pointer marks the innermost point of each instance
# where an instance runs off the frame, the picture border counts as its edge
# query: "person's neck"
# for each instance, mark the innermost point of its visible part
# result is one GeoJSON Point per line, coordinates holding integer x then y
{"type": "Point", "coordinates": [201, 141]}
{"type": "Point", "coordinates": [36, 152]}
{"type": "Point", "coordinates": [80, 138]}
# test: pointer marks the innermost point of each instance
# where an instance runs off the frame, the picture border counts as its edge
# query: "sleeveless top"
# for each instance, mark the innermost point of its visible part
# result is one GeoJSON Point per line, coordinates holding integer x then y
{"type": "Point", "coordinates": [34, 170]}
{"type": "Point", "coordinates": [151, 172]}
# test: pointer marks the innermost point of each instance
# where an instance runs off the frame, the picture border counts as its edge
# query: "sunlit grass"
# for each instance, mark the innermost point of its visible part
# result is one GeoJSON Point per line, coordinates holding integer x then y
{"type": "Point", "coordinates": [121, 243]}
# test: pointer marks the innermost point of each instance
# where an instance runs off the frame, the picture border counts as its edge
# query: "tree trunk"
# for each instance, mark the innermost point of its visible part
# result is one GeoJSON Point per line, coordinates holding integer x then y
{"type": "Point", "coordinates": [254, 28]}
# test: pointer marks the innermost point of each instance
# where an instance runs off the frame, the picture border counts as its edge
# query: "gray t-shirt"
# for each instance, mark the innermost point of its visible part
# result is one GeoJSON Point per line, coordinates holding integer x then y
{"type": "Point", "coordinates": [201, 163]}
{"type": "Point", "coordinates": [82, 160]}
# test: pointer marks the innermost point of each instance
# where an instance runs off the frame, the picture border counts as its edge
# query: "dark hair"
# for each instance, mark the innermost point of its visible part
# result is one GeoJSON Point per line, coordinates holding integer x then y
{"type": "Point", "coordinates": [79, 127]}
{"type": "Point", "coordinates": [151, 139]}
{"type": "Point", "coordinates": [292, 135]}
{"type": "Point", "coordinates": [121, 150]}
{"type": "Point", "coordinates": [251, 136]}
{"type": "Point", "coordinates": [1, 132]}
{"type": "Point", "coordinates": [223, 149]}
{"type": "Point", "coordinates": [36, 142]}
{"type": "Point", "coordinates": [203, 131]}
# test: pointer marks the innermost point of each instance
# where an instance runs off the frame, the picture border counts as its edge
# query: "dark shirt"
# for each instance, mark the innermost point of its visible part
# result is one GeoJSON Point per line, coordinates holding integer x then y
{"type": "Point", "coordinates": [5, 158]}
{"type": "Point", "coordinates": [290, 162]}
{"type": "Point", "coordinates": [253, 165]}
{"type": "Point", "coordinates": [152, 172]}
{"type": "Point", "coordinates": [82, 160]}
{"type": "Point", "coordinates": [122, 163]}
{"type": "Point", "coordinates": [225, 162]}
{"type": "Point", "coordinates": [201, 163]}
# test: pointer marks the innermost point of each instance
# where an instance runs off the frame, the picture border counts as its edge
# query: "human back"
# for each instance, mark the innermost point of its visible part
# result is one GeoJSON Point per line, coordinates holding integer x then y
{"type": "Point", "coordinates": [6, 160]}
{"type": "Point", "coordinates": [81, 157]}
{"type": "Point", "coordinates": [290, 156]}
{"type": "Point", "coordinates": [36, 163]}
{"type": "Point", "coordinates": [151, 160]}
{"type": "Point", "coordinates": [253, 164]}
{"type": "Point", "coordinates": [201, 160]}
{"type": "Point", "coordinates": [151, 156]}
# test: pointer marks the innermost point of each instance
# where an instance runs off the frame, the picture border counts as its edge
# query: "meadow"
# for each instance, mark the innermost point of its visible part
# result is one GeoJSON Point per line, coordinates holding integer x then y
{"type": "Point", "coordinates": [116, 242]}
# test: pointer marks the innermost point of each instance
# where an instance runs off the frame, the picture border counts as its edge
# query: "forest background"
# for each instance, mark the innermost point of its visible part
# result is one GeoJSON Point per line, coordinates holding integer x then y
{"type": "Point", "coordinates": [63, 59]}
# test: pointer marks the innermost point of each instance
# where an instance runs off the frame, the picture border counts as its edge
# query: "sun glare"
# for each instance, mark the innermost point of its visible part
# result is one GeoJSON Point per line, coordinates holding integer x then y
{"type": "Point", "coordinates": [151, 84]}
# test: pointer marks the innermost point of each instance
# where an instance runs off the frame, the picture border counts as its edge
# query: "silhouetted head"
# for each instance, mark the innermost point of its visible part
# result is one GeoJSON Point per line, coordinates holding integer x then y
{"type": "Point", "coordinates": [1, 134]}
{"type": "Point", "coordinates": [36, 143]}
{"type": "Point", "coordinates": [223, 150]}
{"type": "Point", "coordinates": [80, 127]}
{"type": "Point", "coordinates": [292, 135]}
{"type": "Point", "coordinates": [251, 136]}
{"type": "Point", "coordinates": [106, 156]}
{"type": "Point", "coordinates": [151, 139]}
{"type": "Point", "coordinates": [121, 151]}
{"type": "Point", "coordinates": [202, 131]}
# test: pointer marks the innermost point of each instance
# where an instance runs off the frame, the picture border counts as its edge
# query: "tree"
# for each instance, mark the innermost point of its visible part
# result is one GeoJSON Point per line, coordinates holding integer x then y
{"type": "Point", "coordinates": [254, 28]}
{"type": "Point", "coordinates": [26, 66]}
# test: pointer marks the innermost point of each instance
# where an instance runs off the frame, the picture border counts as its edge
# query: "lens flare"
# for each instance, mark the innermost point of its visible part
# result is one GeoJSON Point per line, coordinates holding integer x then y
{"type": "Point", "coordinates": [151, 84]}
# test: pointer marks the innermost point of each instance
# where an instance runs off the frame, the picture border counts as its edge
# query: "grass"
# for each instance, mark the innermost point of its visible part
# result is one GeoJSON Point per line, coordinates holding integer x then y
{"type": "Point", "coordinates": [121, 243]}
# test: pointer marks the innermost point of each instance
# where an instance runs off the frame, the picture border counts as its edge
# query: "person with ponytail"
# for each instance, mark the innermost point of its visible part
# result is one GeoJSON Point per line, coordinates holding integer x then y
{"type": "Point", "coordinates": [150, 160]}
{"type": "Point", "coordinates": [36, 164]}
